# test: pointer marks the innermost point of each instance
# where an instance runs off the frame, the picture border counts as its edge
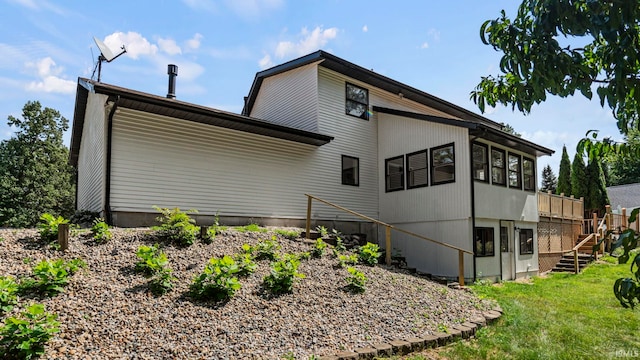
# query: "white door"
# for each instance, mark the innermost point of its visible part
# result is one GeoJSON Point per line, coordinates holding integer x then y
{"type": "Point", "coordinates": [507, 255]}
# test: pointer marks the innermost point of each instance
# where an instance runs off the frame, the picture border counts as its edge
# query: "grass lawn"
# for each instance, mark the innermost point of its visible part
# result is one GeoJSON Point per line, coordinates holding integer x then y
{"type": "Point", "coordinates": [563, 316]}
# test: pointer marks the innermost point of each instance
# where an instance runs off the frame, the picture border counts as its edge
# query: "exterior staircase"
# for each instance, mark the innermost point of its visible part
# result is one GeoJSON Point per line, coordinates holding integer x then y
{"type": "Point", "coordinates": [567, 263]}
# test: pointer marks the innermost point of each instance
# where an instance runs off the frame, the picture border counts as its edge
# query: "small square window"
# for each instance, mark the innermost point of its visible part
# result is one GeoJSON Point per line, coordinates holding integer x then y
{"type": "Point", "coordinates": [480, 162]}
{"type": "Point", "coordinates": [498, 167]}
{"type": "Point", "coordinates": [526, 241]}
{"type": "Point", "coordinates": [350, 170]}
{"type": "Point", "coordinates": [357, 101]}
{"type": "Point", "coordinates": [394, 173]}
{"type": "Point", "coordinates": [529, 174]}
{"type": "Point", "coordinates": [417, 170]}
{"type": "Point", "coordinates": [443, 165]}
{"type": "Point", "coordinates": [515, 173]}
{"type": "Point", "coordinates": [483, 244]}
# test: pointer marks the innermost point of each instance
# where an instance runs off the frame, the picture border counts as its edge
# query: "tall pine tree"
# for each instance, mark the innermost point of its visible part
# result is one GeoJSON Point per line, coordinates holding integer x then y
{"type": "Point", "coordinates": [549, 180]}
{"type": "Point", "coordinates": [578, 177]}
{"type": "Point", "coordinates": [597, 196]}
{"type": "Point", "coordinates": [564, 174]}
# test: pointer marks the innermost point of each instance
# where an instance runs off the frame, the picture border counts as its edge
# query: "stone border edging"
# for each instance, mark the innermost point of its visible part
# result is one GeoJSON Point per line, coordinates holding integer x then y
{"type": "Point", "coordinates": [465, 330]}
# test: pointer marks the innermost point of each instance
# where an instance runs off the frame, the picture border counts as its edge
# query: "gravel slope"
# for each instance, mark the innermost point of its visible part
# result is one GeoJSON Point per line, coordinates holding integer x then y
{"type": "Point", "coordinates": [106, 311]}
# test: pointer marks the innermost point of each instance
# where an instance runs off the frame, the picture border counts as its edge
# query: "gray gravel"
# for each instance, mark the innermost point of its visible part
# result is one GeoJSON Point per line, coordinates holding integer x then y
{"type": "Point", "coordinates": [107, 312]}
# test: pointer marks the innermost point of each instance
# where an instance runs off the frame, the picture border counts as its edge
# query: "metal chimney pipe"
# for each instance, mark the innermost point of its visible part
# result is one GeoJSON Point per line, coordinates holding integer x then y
{"type": "Point", "coordinates": [172, 70]}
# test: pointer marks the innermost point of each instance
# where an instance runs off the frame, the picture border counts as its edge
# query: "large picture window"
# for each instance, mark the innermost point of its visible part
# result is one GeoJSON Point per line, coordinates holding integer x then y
{"type": "Point", "coordinates": [443, 165]}
{"type": "Point", "coordinates": [498, 167]}
{"type": "Point", "coordinates": [515, 174]}
{"type": "Point", "coordinates": [417, 170]}
{"type": "Point", "coordinates": [357, 101]}
{"type": "Point", "coordinates": [480, 162]}
{"type": "Point", "coordinates": [483, 244]}
{"type": "Point", "coordinates": [526, 241]}
{"type": "Point", "coordinates": [394, 173]}
{"type": "Point", "coordinates": [529, 174]}
{"type": "Point", "coordinates": [350, 170]}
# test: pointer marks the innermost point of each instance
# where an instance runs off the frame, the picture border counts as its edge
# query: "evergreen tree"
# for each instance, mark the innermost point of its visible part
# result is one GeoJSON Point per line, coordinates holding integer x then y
{"type": "Point", "coordinates": [35, 176]}
{"type": "Point", "coordinates": [597, 196]}
{"type": "Point", "coordinates": [578, 177]}
{"type": "Point", "coordinates": [549, 180]}
{"type": "Point", "coordinates": [564, 174]}
{"type": "Point", "coordinates": [625, 168]}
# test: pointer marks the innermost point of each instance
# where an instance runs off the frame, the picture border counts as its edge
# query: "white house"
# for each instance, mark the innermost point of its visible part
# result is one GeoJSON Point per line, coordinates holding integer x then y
{"type": "Point", "coordinates": [324, 126]}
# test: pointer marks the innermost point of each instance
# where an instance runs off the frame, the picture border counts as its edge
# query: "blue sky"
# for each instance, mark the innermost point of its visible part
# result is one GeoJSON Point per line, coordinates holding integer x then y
{"type": "Point", "coordinates": [220, 45]}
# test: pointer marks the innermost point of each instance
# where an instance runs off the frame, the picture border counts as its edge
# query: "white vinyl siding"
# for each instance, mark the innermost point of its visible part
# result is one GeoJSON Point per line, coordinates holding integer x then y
{"type": "Point", "coordinates": [166, 162]}
{"type": "Point", "coordinates": [289, 98]}
{"type": "Point", "coordinates": [91, 160]}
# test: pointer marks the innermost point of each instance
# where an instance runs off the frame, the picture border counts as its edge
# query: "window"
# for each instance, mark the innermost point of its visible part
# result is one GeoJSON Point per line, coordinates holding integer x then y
{"type": "Point", "coordinates": [357, 102]}
{"type": "Point", "coordinates": [394, 173]}
{"type": "Point", "coordinates": [526, 241]}
{"type": "Point", "coordinates": [350, 170]}
{"type": "Point", "coordinates": [443, 169]}
{"type": "Point", "coordinates": [417, 172]}
{"type": "Point", "coordinates": [484, 241]}
{"type": "Point", "coordinates": [504, 239]}
{"type": "Point", "coordinates": [480, 162]}
{"type": "Point", "coordinates": [498, 167]}
{"type": "Point", "coordinates": [529, 174]}
{"type": "Point", "coordinates": [515, 175]}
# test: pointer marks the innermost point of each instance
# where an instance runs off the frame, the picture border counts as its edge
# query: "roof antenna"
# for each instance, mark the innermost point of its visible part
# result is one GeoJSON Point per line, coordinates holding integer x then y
{"type": "Point", "coordinates": [105, 55]}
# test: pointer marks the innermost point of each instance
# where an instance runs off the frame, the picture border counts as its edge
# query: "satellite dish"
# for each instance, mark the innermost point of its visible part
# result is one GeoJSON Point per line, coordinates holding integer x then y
{"type": "Point", "coordinates": [105, 55]}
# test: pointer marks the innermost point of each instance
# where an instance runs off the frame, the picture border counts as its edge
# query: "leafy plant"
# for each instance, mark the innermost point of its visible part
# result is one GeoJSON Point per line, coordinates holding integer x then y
{"type": "Point", "coordinates": [339, 243]}
{"type": "Point", "coordinates": [8, 294]}
{"type": "Point", "coordinates": [318, 248]}
{"type": "Point", "coordinates": [369, 254]}
{"type": "Point", "coordinates": [283, 274]}
{"type": "Point", "coordinates": [266, 249]}
{"type": "Point", "coordinates": [289, 234]}
{"type": "Point", "coordinates": [627, 290]}
{"type": "Point", "coordinates": [176, 226]}
{"type": "Point", "coordinates": [100, 231]}
{"type": "Point", "coordinates": [48, 226]}
{"type": "Point", "coordinates": [152, 260]}
{"type": "Point", "coordinates": [344, 260]}
{"type": "Point", "coordinates": [212, 231]}
{"type": "Point", "coordinates": [50, 277]}
{"type": "Point", "coordinates": [322, 231]}
{"type": "Point", "coordinates": [306, 255]}
{"type": "Point", "coordinates": [162, 282]}
{"type": "Point", "coordinates": [251, 228]}
{"type": "Point", "coordinates": [246, 265]}
{"type": "Point", "coordinates": [24, 337]}
{"type": "Point", "coordinates": [356, 280]}
{"type": "Point", "coordinates": [217, 281]}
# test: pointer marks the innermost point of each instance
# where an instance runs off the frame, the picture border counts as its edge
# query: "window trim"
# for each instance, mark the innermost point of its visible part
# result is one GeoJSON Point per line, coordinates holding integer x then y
{"type": "Point", "coordinates": [504, 168]}
{"type": "Point", "coordinates": [519, 171]}
{"type": "Point", "coordinates": [475, 242]}
{"type": "Point", "coordinates": [357, 174]}
{"type": "Point", "coordinates": [486, 162]}
{"type": "Point", "coordinates": [408, 171]}
{"type": "Point", "coordinates": [533, 174]}
{"type": "Point", "coordinates": [365, 115]}
{"type": "Point", "coordinates": [386, 174]}
{"type": "Point", "coordinates": [523, 231]}
{"type": "Point", "coordinates": [432, 166]}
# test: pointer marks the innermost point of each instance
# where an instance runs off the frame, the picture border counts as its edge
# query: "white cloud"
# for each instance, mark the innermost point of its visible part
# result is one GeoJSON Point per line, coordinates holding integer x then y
{"type": "Point", "coordinates": [265, 62]}
{"type": "Point", "coordinates": [49, 82]}
{"type": "Point", "coordinates": [309, 41]}
{"type": "Point", "coordinates": [169, 46]}
{"type": "Point", "coordinates": [194, 42]}
{"type": "Point", "coordinates": [425, 45]}
{"type": "Point", "coordinates": [365, 28]}
{"type": "Point", "coordinates": [135, 43]}
{"type": "Point", "coordinates": [434, 34]}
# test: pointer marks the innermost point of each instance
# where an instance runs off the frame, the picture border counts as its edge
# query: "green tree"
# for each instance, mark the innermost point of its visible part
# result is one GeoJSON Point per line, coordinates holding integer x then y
{"type": "Point", "coordinates": [35, 176]}
{"type": "Point", "coordinates": [578, 177]}
{"type": "Point", "coordinates": [625, 168]}
{"type": "Point", "coordinates": [549, 180]}
{"type": "Point", "coordinates": [564, 174]}
{"type": "Point", "coordinates": [596, 197]}
{"type": "Point", "coordinates": [509, 129]}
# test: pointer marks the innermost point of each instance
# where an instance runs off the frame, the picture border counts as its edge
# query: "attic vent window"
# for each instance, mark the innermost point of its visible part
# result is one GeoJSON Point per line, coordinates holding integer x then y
{"type": "Point", "coordinates": [357, 102]}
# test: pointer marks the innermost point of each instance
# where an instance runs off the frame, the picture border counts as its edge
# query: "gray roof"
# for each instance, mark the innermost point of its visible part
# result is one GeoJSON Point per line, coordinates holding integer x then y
{"type": "Point", "coordinates": [625, 196]}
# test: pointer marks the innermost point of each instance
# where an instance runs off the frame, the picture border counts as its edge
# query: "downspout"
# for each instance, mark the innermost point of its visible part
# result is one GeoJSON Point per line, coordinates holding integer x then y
{"type": "Point", "coordinates": [473, 204]}
{"type": "Point", "coordinates": [107, 180]}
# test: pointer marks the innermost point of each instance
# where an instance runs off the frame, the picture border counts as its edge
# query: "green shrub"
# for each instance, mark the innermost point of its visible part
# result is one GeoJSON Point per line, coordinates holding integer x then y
{"type": "Point", "coordinates": [25, 336]}
{"type": "Point", "coordinates": [50, 277]}
{"type": "Point", "coordinates": [266, 249]}
{"type": "Point", "coordinates": [176, 226]}
{"type": "Point", "coordinates": [283, 274]}
{"type": "Point", "coordinates": [162, 282]}
{"type": "Point", "coordinates": [288, 234]}
{"type": "Point", "coordinates": [100, 231]}
{"type": "Point", "coordinates": [339, 243]}
{"type": "Point", "coordinates": [355, 280]}
{"type": "Point", "coordinates": [217, 281]}
{"type": "Point", "coordinates": [246, 265]}
{"type": "Point", "coordinates": [322, 231]}
{"type": "Point", "coordinates": [344, 260]}
{"type": "Point", "coordinates": [318, 248]}
{"type": "Point", "coordinates": [304, 255]}
{"type": "Point", "coordinates": [212, 231]}
{"type": "Point", "coordinates": [152, 260]}
{"type": "Point", "coordinates": [369, 254]}
{"type": "Point", "coordinates": [8, 294]}
{"type": "Point", "coordinates": [48, 226]}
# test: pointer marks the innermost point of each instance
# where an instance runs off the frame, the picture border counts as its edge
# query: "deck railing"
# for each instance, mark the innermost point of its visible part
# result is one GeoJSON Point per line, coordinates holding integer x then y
{"type": "Point", "coordinates": [560, 206]}
{"type": "Point", "coordinates": [388, 228]}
